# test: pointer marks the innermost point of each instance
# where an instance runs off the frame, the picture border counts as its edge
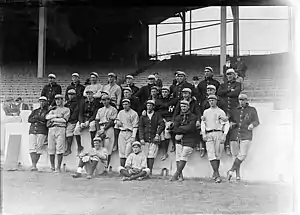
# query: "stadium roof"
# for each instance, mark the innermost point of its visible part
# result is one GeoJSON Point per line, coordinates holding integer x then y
{"type": "Point", "coordinates": [147, 14]}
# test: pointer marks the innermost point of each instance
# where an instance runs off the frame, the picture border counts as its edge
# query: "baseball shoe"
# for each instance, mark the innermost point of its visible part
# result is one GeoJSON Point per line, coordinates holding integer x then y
{"type": "Point", "coordinates": [218, 180]}
{"type": "Point", "coordinates": [104, 173]}
{"type": "Point", "coordinates": [89, 177]}
{"type": "Point", "coordinates": [76, 175]}
{"type": "Point", "coordinates": [79, 150]}
{"type": "Point", "coordinates": [198, 148]}
{"type": "Point", "coordinates": [180, 178]}
{"type": "Point", "coordinates": [213, 177]}
{"type": "Point", "coordinates": [140, 179]}
{"type": "Point", "coordinates": [57, 171]}
{"type": "Point", "coordinates": [126, 179]}
{"type": "Point", "coordinates": [202, 152]}
{"type": "Point", "coordinates": [238, 178]}
{"type": "Point", "coordinates": [115, 148]}
{"type": "Point", "coordinates": [33, 169]}
{"type": "Point", "coordinates": [52, 169]}
{"type": "Point", "coordinates": [229, 175]}
{"type": "Point", "coordinates": [68, 152]}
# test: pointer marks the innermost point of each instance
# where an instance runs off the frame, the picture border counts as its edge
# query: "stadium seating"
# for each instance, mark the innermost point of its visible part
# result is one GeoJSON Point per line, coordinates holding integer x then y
{"type": "Point", "coordinates": [267, 78]}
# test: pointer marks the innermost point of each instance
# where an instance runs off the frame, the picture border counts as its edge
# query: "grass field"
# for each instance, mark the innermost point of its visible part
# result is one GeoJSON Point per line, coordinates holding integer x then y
{"type": "Point", "coordinates": [47, 193]}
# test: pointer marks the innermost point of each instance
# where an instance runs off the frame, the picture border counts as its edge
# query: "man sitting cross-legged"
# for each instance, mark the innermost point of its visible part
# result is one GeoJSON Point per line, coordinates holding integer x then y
{"type": "Point", "coordinates": [90, 159]}
{"type": "Point", "coordinates": [136, 164]}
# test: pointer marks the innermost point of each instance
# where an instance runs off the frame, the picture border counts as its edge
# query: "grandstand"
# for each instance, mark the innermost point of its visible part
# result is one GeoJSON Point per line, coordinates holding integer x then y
{"type": "Point", "coordinates": [267, 77]}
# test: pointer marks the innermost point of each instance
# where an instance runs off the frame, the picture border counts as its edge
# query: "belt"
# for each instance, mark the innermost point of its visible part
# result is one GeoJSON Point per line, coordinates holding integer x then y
{"type": "Point", "coordinates": [103, 123]}
{"type": "Point", "coordinates": [127, 130]}
{"type": "Point", "coordinates": [57, 126]}
{"type": "Point", "coordinates": [214, 130]}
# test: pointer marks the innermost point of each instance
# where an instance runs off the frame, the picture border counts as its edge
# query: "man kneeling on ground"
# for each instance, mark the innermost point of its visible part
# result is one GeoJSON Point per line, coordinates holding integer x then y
{"type": "Point", "coordinates": [90, 159]}
{"type": "Point", "coordinates": [136, 164]}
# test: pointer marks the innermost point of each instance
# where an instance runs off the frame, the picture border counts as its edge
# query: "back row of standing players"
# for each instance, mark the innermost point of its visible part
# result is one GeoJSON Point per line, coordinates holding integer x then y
{"type": "Point", "coordinates": [85, 103]}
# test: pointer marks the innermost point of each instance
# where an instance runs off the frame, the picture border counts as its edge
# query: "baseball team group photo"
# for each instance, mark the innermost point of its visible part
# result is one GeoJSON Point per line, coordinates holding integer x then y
{"type": "Point", "coordinates": [96, 119]}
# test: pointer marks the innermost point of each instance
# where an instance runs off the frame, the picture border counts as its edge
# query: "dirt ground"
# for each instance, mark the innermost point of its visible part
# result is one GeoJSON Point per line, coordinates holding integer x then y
{"type": "Point", "coordinates": [48, 193]}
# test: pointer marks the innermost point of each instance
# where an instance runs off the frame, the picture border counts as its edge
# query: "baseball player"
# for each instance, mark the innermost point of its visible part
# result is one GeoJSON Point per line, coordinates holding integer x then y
{"type": "Point", "coordinates": [229, 92]}
{"type": "Point", "coordinates": [134, 101]}
{"type": "Point", "coordinates": [86, 120]}
{"type": "Point", "coordinates": [105, 125]}
{"type": "Point", "coordinates": [127, 121]}
{"type": "Point", "coordinates": [75, 84]}
{"type": "Point", "coordinates": [194, 107]}
{"type": "Point", "coordinates": [184, 128]}
{"type": "Point", "coordinates": [37, 132]}
{"type": "Point", "coordinates": [91, 159]}
{"type": "Point", "coordinates": [130, 84]}
{"type": "Point", "coordinates": [244, 119]}
{"type": "Point", "coordinates": [150, 128]}
{"type": "Point", "coordinates": [165, 107]}
{"type": "Point", "coordinates": [144, 92]}
{"type": "Point", "coordinates": [94, 86]}
{"type": "Point", "coordinates": [181, 84]}
{"type": "Point", "coordinates": [136, 165]}
{"type": "Point", "coordinates": [208, 80]}
{"type": "Point", "coordinates": [214, 128]}
{"type": "Point", "coordinates": [57, 122]}
{"type": "Point", "coordinates": [51, 89]}
{"type": "Point", "coordinates": [114, 90]}
{"type": "Point", "coordinates": [211, 90]}
{"type": "Point", "coordinates": [73, 104]}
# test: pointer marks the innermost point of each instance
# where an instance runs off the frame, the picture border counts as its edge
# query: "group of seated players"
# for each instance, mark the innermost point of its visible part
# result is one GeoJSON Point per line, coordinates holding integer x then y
{"type": "Point", "coordinates": [208, 116]}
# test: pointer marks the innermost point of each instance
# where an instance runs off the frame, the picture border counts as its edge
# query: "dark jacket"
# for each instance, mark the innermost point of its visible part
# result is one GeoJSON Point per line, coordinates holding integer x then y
{"type": "Point", "coordinates": [205, 105]}
{"type": "Point", "coordinates": [73, 105]}
{"type": "Point", "coordinates": [243, 117]}
{"type": "Point", "coordinates": [165, 107]}
{"type": "Point", "coordinates": [38, 121]}
{"type": "Point", "coordinates": [149, 128]}
{"type": "Point", "coordinates": [134, 89]}
{"type": "Point", "coordinates": [159, 83]}
{"type": "Point", "coordinates": [186, 124]}
{"type": "Point", "coordinates": [177, 90]}
{"type": "Point", "coordinates": [79, 88]}
{"type": "Point", "coordinates": [88, 110]}
{"type": "Point", "coordinates": [240, 68]}
{"type": "Point", "coordinates": [134, 104]}
{"type": "Point", "coordinates": [229, 93]}
{"type": "Point", "coordinates": [202, 87]}
{"type": "Point", "coordinates": [224, 71]}
{"type": "Point", "coordinates": [144, 93]}
{"type": "Point", "coordinates": [50, 90]}
{"type": "Point", "coordinates": [194, 108]}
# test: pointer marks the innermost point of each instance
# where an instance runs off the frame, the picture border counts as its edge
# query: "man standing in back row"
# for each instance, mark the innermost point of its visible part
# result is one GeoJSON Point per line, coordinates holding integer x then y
{"type": "Point", "coordinates": [114, 91]}
{"type": "Point", "coordinates": [229, 92]}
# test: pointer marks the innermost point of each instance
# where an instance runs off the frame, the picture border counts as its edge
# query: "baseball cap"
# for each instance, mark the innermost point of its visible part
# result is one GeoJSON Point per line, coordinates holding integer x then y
{"type": "Point", "coordinates": [125, 101]}
{"type": "Point", "coordinates": [94, 74]}
{"type": "Point", "coordinates": [75, 74]}
{"type": "Point", "coordinates": [208, 68]}
{"type": "Point", "coordinates": [43, 98]}
{"type": "Point", "coordinates": [150, 102]}
{"type": "Point", "coordinates": [230, 71]}
{"type": "Point", "coordinates": [59, 96]}
{"type": "Point", "coordinates": [129, 76]}
{"type": "Point", "coordinates": [136, 143]}
{"type": "Point", "coordinates": [71, 91]}
{"type": "Point", "coordinates": [184, 102]}
{"type": "Point", "coordinates": [165, 88]}
{"type": "Point", "coordinates": [211, 87]}
{"type": "Point", "coordinates": [243, 97]}
{"type": "Point", "coordinates": [112, 74]}
{"type": "Point", "coordinates": [151, 77]}
{"type": "Point", "coordinates": [105, 97]}
{"type": "Point", "coordinates": [181, 73]}
{"type": "Point", "coordinates": [187, 90]}
{"type": "Point", "coordinates": [154, 87]}
{"type": "Point", "coordinates": [51, 76]}
{"type": "Point", "coordinates": [127, 88]}
{"type": "Point", "coordinates": [212, 97]}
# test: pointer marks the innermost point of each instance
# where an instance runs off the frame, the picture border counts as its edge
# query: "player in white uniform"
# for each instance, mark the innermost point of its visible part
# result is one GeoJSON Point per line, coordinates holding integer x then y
{"type": "Point", "coordinates": [127, 121]}
{"type": "Point", "coordinates": [214, 128]}
{"type": "Point", "coordinates": [105, 124]}
{"type": "Point", "coordinates": [95, 86]}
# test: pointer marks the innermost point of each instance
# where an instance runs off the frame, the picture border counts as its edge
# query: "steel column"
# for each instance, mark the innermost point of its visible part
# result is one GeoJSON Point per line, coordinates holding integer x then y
{"type": "Point", "coordinates": [183, 33]}
{"type": "Point", "coordinates": [42, 39]}
{"type": "Point", "coordinates": [156, 41]}
{"type": "Point", "coordinates": [236, 42]}
{"type": "Point", "coordinates": [1, 36]}
{"type": "Point", "coordinates": [223, 39]}
{"type": "Point", "coordinates": [190, 32]}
